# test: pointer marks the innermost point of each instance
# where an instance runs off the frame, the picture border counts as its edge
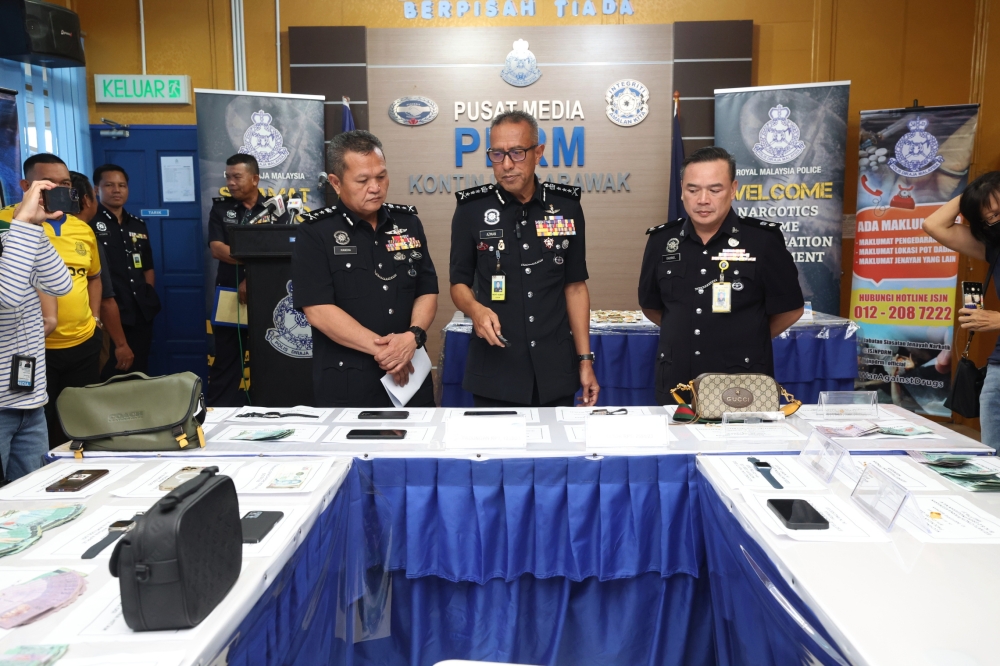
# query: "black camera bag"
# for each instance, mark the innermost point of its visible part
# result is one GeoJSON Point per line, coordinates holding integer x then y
{"type": "Point", "coordinates": [182, 557]}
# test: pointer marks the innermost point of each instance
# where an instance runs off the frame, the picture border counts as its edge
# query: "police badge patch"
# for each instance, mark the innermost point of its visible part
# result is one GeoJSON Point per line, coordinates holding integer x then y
{"type": "Point", "coordinates": [627, 102]}
{"type": "Point", "coordinates": [341, 237]}
{"type": "Point", "coordinates": [231, 214]}
{"type": "Point", "coordinates": [672, 245]}
{"type": "Point", "coordinates": [101, 226]}
{"type": "Point", "coordinates": [520, 69]}
{"type": "Point", "coordinates": [492, 216]}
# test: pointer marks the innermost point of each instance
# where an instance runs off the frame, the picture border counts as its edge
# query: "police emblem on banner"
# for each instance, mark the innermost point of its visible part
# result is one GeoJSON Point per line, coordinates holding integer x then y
{"type": "Point", "coordinates": [413, 110]}
{"type": "Point", "coordinates": [291, 335]}
{"type": "Point", "coordinates": [520, 69]}
{"type": "Point", "coordinates": [916, 152]}
{"type": "Point", "coordinates": [779, 138]}
{"type": "Point", "coordinates": [263, 141]}
{"type": "Point", "coordinates": [627, 102]}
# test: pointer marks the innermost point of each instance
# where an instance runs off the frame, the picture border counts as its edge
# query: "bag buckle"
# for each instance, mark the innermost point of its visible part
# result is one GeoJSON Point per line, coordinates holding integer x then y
{"type": "Point", "coordinates": [76, 446]}
{"type": "Point", "coordinates": [142, 573]}
{"type": "Point", "coordinates": [180, 436]}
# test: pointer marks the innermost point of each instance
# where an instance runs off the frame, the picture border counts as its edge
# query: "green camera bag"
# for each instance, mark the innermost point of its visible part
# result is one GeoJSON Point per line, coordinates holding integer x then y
{"type": "Point", "coordinates": [134, 412]}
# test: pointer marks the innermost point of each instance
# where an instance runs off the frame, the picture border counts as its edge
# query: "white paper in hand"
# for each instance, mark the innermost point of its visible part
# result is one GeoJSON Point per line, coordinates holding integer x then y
{"type": "Point", "coordinates": [400, 395]}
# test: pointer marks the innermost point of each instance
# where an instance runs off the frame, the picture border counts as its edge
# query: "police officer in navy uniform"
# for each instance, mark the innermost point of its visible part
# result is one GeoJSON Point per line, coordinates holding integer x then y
{"type": "Point", "coordinates": [718, 285]}
{"type": "Point", "coordinates": [126, 244]}
{"type": "Point", "coordinates": [362, 274]}
{"type": "Point", "coordinates": [226, 387]}
{"type": "Point", "coordinates": [519, 271]}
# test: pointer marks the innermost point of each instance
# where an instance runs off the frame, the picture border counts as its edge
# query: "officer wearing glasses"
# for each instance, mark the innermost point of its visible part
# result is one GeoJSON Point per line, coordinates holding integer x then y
{"type": "Point", "coordinates": [519, 270]}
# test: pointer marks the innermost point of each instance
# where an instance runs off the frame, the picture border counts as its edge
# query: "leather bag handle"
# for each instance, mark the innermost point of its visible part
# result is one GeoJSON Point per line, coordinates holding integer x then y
{"type": "Point", "coordinates": [170, 502]}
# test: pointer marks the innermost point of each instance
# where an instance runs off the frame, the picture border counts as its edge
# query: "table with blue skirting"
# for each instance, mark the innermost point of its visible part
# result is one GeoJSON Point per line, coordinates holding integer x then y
{"type": "Point", "coordinates": [811, 356]}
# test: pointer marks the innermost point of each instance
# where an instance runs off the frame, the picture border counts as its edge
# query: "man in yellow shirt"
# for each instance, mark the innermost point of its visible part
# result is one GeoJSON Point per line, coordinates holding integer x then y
{"type": "Point", "coordinates": [72, 350]}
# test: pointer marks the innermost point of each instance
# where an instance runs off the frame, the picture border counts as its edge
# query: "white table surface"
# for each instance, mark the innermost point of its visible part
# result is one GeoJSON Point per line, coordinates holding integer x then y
{"type": "Point", "coordinates": [193, 647]}
{"type": "Point", "coordinates": [903, 601]}
{"type": "Point", "coordinates": [684, 441]}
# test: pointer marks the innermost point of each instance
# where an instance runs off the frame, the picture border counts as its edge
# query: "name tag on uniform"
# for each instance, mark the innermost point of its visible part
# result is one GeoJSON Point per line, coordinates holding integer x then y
{"type": "Point", "coordinates": [722, 297]}
{"type": "Point", "coordinates": [490, 233]}
{"type": "Point", "coordinates": [137, 260]}
{"type": "Point", "coordinates": [555, 225]}
{"type": "Point", "coordinates": [345, 249]}
{"type": "Point", "coordinates": [676, 256]}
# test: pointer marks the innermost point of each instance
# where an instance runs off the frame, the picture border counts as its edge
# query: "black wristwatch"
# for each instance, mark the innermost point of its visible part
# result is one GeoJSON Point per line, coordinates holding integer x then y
{"type": "Point", "coordinates": [585, 357]}
{"type": "Point", "coordinates": [765, 471]}
{"type": "Point", "coordinates": [420, 334]}
{"type": "Point", "coordinates": [115, 531]}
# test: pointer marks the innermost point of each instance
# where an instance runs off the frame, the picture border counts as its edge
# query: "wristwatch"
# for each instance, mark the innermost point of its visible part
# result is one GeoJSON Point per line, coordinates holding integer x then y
{"type": "Point", "coordinates": [585, 357]}
{"type": "Point", "coordinates": [420, 334]}
{"type": "Point", "coordinates": [115, 531]}
{"type": "Point", "coordinates": [765, 471]}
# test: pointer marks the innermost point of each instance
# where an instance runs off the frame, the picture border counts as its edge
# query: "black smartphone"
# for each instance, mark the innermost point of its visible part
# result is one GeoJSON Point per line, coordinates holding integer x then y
{"type": "Point", "coordinates": [256, 524]}
{"type": "Point", "coordinates": [376, 434]}
{"type": "Point", "coordinates": [61, 198]}
{"type": "Point", "coordinates": [384, 415]}
{"type": "Point", "coordinates": [473, 412]}
{"type": "Point", "coordinates": [76, 481]}
{"type": "Point", "coordinates": [798, 514]}
{"type": "Point", "coordinates": [972, 294]}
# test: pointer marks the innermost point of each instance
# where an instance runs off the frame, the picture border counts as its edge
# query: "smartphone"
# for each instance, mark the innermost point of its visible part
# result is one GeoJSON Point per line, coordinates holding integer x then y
{"type": "Point", "coordinates": [510, 412]}
{"type": "Point", "coordinates": [183, 475]}
{"type": "Point", "coordinates": [505, 341]}
{"type": "Point", "coordinates": [256, 524]}
{"type": "Point", "coordinates": [972, 294]}
{"type": "Point", "coordinates": [376, 434]}
{"type": "Point", "coordinates": [61, 198]}
{"type": "Point", "coordinates": [798, 514]}
{"type": "Point", "coordinates": [76, 481]}
{"type": "Point", "coordinates": [384, 415]}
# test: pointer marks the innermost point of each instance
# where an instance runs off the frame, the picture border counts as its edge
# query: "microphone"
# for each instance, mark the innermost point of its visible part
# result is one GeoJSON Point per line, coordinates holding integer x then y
{"type": "Point", "coordinates": [294, 208]}
{"type": "Point", "coordinates": [274, 206]}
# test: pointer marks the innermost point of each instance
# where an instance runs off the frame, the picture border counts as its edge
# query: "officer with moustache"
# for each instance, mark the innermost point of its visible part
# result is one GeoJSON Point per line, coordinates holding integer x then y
{"type": "Point", "coordinates": [363, 276]}
{"type": "Point", "coordinates": [718, 285]}
{"type": "Point", "coordinates": [519, 271]}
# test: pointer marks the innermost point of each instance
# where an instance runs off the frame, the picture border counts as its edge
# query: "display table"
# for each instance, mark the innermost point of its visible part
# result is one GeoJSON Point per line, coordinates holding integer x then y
{"type": "Point", "coordinates": [811, 356]}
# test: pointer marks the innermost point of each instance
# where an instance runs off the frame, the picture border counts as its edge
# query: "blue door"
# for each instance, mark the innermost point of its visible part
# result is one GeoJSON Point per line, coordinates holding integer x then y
{"type": "Point", "coordinates": [179, 334]}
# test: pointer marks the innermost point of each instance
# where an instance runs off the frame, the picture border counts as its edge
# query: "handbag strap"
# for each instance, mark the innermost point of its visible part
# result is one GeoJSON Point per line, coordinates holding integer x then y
{"type": "Point", "coordinates": [194, 485]}
{"type": "Point", "coordinates": [986, 286]}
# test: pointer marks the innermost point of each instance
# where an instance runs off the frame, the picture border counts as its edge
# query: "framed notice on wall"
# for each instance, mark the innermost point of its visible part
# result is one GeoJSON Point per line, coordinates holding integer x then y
{"type": "Point", "coordinates": [177, 178]}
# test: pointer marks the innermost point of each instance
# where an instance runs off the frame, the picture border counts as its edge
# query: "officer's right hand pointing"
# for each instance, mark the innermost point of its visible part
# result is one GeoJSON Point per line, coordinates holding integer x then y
{"type": "Point", "coordinates": [487, 326]}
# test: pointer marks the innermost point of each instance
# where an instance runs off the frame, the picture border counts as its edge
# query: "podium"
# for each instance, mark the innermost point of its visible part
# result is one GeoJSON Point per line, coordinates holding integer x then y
{"type": "Point", "coordinates": [280, 336]}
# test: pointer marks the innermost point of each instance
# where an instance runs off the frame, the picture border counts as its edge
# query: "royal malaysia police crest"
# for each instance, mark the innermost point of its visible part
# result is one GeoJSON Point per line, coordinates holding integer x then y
{"type": "Point", "coordinates": [413, 110]}
{"type": "Point", "coordinates": [231, 214]}
{"type": "Point", "coordinates": [916, 152]}
{"type": "Point", "coordinates": [291, 335]}
{"type": "Point", "coordinates": [779, 138]}
{"type": "Point", "coordinates": [492, 216]}
{"type": "Point", "coordinates": [341, 237]}
{"type": "Point", "coordinates": [263, 141]}
{"type": "Point", "coordinates": [101, 226]}
{"type": "Point", "coordinates": [627, 102]}
{"type": "Point", "coordinates": [520, 69]}
{"type": "Point", "coordinates": [673, 244]}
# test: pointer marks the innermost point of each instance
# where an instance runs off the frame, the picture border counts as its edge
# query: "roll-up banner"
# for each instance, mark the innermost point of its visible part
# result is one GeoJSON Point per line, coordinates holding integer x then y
{"type": "Point", "coordinates": [10, 149]}
{"type": "Point", "coordinates": [284, 132]}
{"type": "Point", "coordinates": [903, 291]}
{"type": "Point", "coordinates": [790, 144]}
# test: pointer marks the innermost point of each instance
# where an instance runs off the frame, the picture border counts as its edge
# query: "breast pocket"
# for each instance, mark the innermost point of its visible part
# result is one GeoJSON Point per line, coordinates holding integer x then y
{"type": "Point", "coordinates": [670, 277]}
{"type": "Point", "coordinates": [745, 282]}
{"type": "Point", "coordinates": [348, 273]}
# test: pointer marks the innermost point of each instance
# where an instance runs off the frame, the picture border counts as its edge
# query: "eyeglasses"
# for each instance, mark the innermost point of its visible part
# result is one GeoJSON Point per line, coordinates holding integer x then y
{"type": "Point", "coordinates": [992, 218]}
{"type": "Point", "coordinates": [515, 154]}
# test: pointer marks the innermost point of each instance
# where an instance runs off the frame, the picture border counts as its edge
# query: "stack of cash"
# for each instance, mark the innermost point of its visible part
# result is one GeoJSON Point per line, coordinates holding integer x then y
{"type": "Point", "coordinates": [33, 655]}
{"type": "Point", "coordinates": [973, 473]}
{"type": "Point", "coordinates": [34, 599]}
{"type": "Point", "coordinates": [20, 529]}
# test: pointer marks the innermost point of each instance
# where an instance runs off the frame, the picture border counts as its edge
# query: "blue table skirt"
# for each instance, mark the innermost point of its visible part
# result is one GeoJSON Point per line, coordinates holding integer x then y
{"type": "Point", "coordinates": [806, 361]}
{"type": "Point", "coordinates": [615, 561]}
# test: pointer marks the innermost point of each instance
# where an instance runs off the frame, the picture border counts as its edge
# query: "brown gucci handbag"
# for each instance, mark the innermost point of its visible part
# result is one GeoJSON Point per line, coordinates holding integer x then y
{"type": "Point", "coordinates": [715, 394]}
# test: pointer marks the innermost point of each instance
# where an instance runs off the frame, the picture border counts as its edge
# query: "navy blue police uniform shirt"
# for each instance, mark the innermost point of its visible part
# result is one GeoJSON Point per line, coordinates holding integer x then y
{"type": "Point", "coordinates": [677, 274]}
{"type": "Point", "coordinates": [533, 315]}
{"type": "Point", "coordinates": [340, 260]}
{"type": "Point", "coordinates": [137, 300]}
{"type": "Point", "coordinates": [225, 213]}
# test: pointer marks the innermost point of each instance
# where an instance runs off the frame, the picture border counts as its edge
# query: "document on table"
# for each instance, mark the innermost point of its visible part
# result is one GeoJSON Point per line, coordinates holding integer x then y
{"type": "Point", "coordinates": [576, 433]}
{"type": "Point", "coordinates": [32, 487]}
{"type": "Point", "coordinates": [847, 523]}
{"type": "Point", "coordinates": [538, 434]}
{"type": "Point", "coordinates": [711, 432]}
{"type": "Point", "coordinates": [148, 483]}
{"type": "Point", "coordinates": [298, 414]}
{"type": "Point", "coordinates": [280, 478]}
{"type": "Point", "coordinates": [338, 435]}
{"type": "Point", "coordinates": [812, 413]}
{"type": "Point", "coordinates": [578, 414]}
{"type": "Point", "coordinates": [899, 468]}
{"type": "Point", "coordinates": [739, 472]}
{"type": "Point", "coordinates": [400, 395]}
{"type": "Point", "coordinates": [98, 618]}
{"type": "Point", "coordinates": [219, 414]}
{"type": "Point", "coordinates": [949, 519]}
{"type": "Point", "coordinates": [416, 415]}
{"type": "Point", "coordinates": [238, 433]}
{"type": "Point", "coordinates": [490, 432]}
{"type": "Point", "coordinates": [530, 414]}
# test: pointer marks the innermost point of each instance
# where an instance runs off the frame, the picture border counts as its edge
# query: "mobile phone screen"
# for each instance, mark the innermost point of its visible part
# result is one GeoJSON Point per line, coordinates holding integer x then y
{"type": "Point", "coordinates": [798, 514]}
{"type": "Point", "coordinates": [76, 481]}
{"type": "Point", "coordinates": [972, 294]}
{"type": "Point", "coordinates": [509, 412]}
{"type": "Point", "coordinates": [384, 415]}
{"type": "Point", "coordinates": [376, 434]}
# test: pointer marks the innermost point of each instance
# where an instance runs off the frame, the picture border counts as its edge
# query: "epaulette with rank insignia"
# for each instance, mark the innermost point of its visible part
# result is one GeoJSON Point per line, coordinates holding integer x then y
{"type": "Point", "coordinates": [761, 224]}
{"type": "Point", "coordinates": [218, 199]}
{"type": "Point", "coordinates": [473, 193]}
{"type": "Point", "coordinates": [401, 208]}
{"type": "Point", "coordinates": [665, 225]}
{"type": "Point", "coordinates": [565, 190]}
{"type": "Point", "coordinates": [317, 215]}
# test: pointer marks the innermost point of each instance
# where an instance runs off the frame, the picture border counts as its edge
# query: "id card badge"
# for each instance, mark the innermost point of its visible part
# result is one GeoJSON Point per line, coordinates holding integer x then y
{"type": "Point", "coordinates": [22, 373]}
{"type": "Point", "coordinates": [722, 297]}
{"type": "Point", "coordinates": [498, 290]}
{"type": "Point", "coordinates": [137, 260]}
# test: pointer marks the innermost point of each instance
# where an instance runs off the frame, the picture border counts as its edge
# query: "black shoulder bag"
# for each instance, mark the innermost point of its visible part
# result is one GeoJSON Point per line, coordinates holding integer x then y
{"type": "Point", "coordinates": [968, 382]}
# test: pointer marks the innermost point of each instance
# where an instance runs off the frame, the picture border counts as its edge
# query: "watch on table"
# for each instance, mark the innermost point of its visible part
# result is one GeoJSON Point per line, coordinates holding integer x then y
{"type": "Point", "coordinates": [116, 530]}
{"type": "Point", "coordinates": [765, 471]}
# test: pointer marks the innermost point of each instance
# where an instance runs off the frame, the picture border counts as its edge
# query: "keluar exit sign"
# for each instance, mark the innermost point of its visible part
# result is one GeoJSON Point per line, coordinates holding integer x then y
{"type": "Point", "coordinates": [142, 89]}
